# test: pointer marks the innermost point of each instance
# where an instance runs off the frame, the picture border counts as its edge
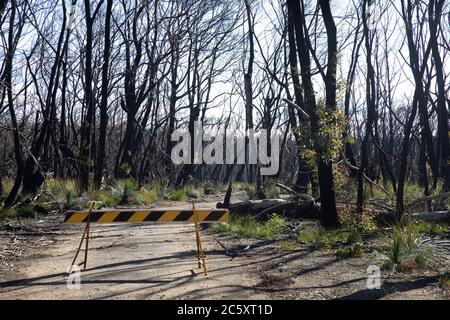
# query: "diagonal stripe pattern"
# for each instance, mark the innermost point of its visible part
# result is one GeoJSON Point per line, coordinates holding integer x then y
{"type": "Point", "coordinates": [147, 215]}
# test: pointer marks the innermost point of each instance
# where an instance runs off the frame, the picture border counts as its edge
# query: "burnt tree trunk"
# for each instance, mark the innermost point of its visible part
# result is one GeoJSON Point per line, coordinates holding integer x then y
{"type": "Point", "coordinates": [86, 125]}
{"type": "Point", "coordinates": [7, 83]}
{"type": "Point", "coordinates": [98, 175]}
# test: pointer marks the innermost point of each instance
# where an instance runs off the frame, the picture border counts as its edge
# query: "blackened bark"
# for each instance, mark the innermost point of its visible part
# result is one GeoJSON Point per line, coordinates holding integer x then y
{"type": "Point", "coordinates": [3, 4]}
{"type": "Point", "coordinates": [303, 176]}
{"type": "Point", "coordinates": [326, 183]}
{"type": "Point", "coordinates": [104, 98]}
{"type": "Point", "coordinates": [248, 87]}
{"type": "Point", "coordinates": [328, 201]}
{"type": "Point", "coordinates": [7, 83]}
{"type": "Point", "coordinates": [348, 151]}
{"type": "Point", "coordinates": [86, 126]}
{"type": "Point", "coordinates": [33, 177]}
{"type": "Point", "coordinates": [417, 68]}
{"type": "Point", "coordinates": [172, 101]}
{"type": "Point", "coordinates": [434, 16]}
{"type": "Point", "coordinates": [370, 93]}
{"type": "Point", "coordinates": [404, 161]}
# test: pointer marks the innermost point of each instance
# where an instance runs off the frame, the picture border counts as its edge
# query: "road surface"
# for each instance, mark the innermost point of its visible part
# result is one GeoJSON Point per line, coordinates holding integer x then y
{"type": "Point", "coordinates": [132, 261]}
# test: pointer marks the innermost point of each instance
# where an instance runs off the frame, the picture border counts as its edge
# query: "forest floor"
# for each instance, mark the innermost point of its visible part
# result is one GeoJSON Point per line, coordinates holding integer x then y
{"type": "Point", "coordinates": [158, 261]}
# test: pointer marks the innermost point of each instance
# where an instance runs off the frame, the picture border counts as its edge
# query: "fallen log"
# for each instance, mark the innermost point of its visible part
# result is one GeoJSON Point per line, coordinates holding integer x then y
{"type": "Point", "coordinates": [264, 208]}
{"type": "Point", "coordinates": [302, 196]}
{"type": "Point", "coordinates": [440, 196]}
{"type": "Point", "coordinates": [434, 216]}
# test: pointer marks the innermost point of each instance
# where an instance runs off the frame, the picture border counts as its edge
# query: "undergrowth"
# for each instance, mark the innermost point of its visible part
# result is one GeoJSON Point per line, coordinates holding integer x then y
{"type": "Point", "coordinates": [249, 227]}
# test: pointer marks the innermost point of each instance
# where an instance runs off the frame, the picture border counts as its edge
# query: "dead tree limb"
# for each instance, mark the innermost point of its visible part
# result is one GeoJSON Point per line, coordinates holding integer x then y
{"type": "Point", "coordinates": [365, 176]}
{"type": "Point", "coordinates": [296, 107]}
{"type": "Point", "coordinates": [428, 198]}
{"type": "Point", "coordinates": [303, 196]}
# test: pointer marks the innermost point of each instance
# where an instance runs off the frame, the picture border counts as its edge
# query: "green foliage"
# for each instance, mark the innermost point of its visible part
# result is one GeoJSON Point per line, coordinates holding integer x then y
{"type": "Point", "coordinates": [420, 227]}
{"type": "Point", "coordinates": [351, 234]}
{"type": "Point", "coordinates": [247, 189]}
{"type": "Point", "coordinates": [215, 186]}
{"type": "Point", "coordinates": [406, 249]}
{"type": "Point", "coordinates": [8, 214]}
{"type": "Point", "coordinates": [192, 192]}
{"type": "Point", "coordinates": [350, 140]}
{"type": "Point", "coordinates": [272, 191]}
{"type": "Point", "coordinates": [22, 211]}
{"type": "Point", "coordinates": [125, 170]}
{"type": "Point", "coordinates": [353, 222]}
{"type": "Point", "coordinates": [64, 192]}
{"type": "Point", "coordinates": [317, 237]}
{"type": "Point", "coordinates": [275, 224]}
{"type": "Point", "coordinates": [288, 245]}
{"type": "Point", "coordinates": [149, 195]}
{"type": "Point", "coordinates": [7, 186]}
{"type": "Point", "coordinates": [249, 227]}
{"type": "Point", "coordinates": [332, 124]}
{"type": "Point", "coordinates": [105, 198]}
{"type": "Point", "coordinates": [344, 187]}
{"type": "Point", "coordinates": [70, 190]}
{"type": "Point", "coordinates": [355, 250]}
{"type": "Point", "coordinates": [126, 192]}
{"type": "Point", "coordinates": [54, 187]}
{"type": "Point", "coordinates": [26, 211]}
{"type": "Point", "coordinates": [178, 195]}
{"type": "Point", "coordinates": [250, 191]}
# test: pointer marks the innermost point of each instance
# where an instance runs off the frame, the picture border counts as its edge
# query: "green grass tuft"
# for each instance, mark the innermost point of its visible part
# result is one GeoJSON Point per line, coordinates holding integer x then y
{"type": "Point", "coordinates": [317, 237]}
{"type": "Point", "coordinates": [178, 195]}
{"type": "Point", "coordinates": [408, 249]}
{"type": "Point", "coordinates": [420, 227]}
{"type": "Point", "coordinates": [353, 251]}
{"type": "Point", "coordinates": [7, 186]}
{"type": "Point", "coordinates": [71, 193]}
{"type": "Point", "coordinates": [272, 191]}
{"type": "Point", "coordinates": [288, 245]}
{"type": "Point", "coordinates": [249, 227]}
{"type": "Point", "coordinates": [126, 192]}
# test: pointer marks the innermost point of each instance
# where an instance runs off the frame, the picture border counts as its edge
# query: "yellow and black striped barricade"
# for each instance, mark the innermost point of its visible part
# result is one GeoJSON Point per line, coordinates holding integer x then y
{"type": "Point", "coordinates": [170, 215]}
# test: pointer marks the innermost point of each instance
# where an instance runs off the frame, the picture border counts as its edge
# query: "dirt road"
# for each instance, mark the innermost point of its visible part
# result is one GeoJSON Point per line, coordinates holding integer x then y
{"type": "Point", "coordinates": [131, 261]}
{"type": "Point", "coordinates": [146, 261]}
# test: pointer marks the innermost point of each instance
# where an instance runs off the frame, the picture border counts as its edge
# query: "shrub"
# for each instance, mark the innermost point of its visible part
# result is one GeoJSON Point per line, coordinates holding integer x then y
{"type": "Point", "coordinates": [70, 190]}
{"type": "Point", "coordinates": [178, 195]}
{"type": "Point", "coordinates": [272, 191]}
{"type": "Point", "coordinates": [249, 227]}
{"type": "Point", "coordinates": [149, 196]}
{"type": "Point", "coordinates": [108, 200]}
{"type": "Point", "coordinates": [409, 250]}
{"type": "Point", "coordinates": [7, 186]}
{"type": "Point", "coordinates": [288, 245]}
{"type": "Point", "coordinates": [54, 187]}
{"type": "Point", "coordinates": [193, 193]}
{"type": "Point", "coordinates": [351, 220]}
{"type": "Point", "coordinates": [8, 214]}
{"type": "Point", "coordinates": [126, 191]}
{"type": "Point", "coordinates": [317, 237]}
{"type": "Point", "coordinates": [354, 250]}
{"type": "Point", "coordinates": [420, 227]}
{"type": "Point", "coordinates": [248, 189]}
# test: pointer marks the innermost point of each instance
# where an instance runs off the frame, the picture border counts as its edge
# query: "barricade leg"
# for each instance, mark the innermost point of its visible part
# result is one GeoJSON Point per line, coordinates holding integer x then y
{"type": "Point", "coordinates": [85, 236]}
{"type": "Point", "coordinates": [200, 253]}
